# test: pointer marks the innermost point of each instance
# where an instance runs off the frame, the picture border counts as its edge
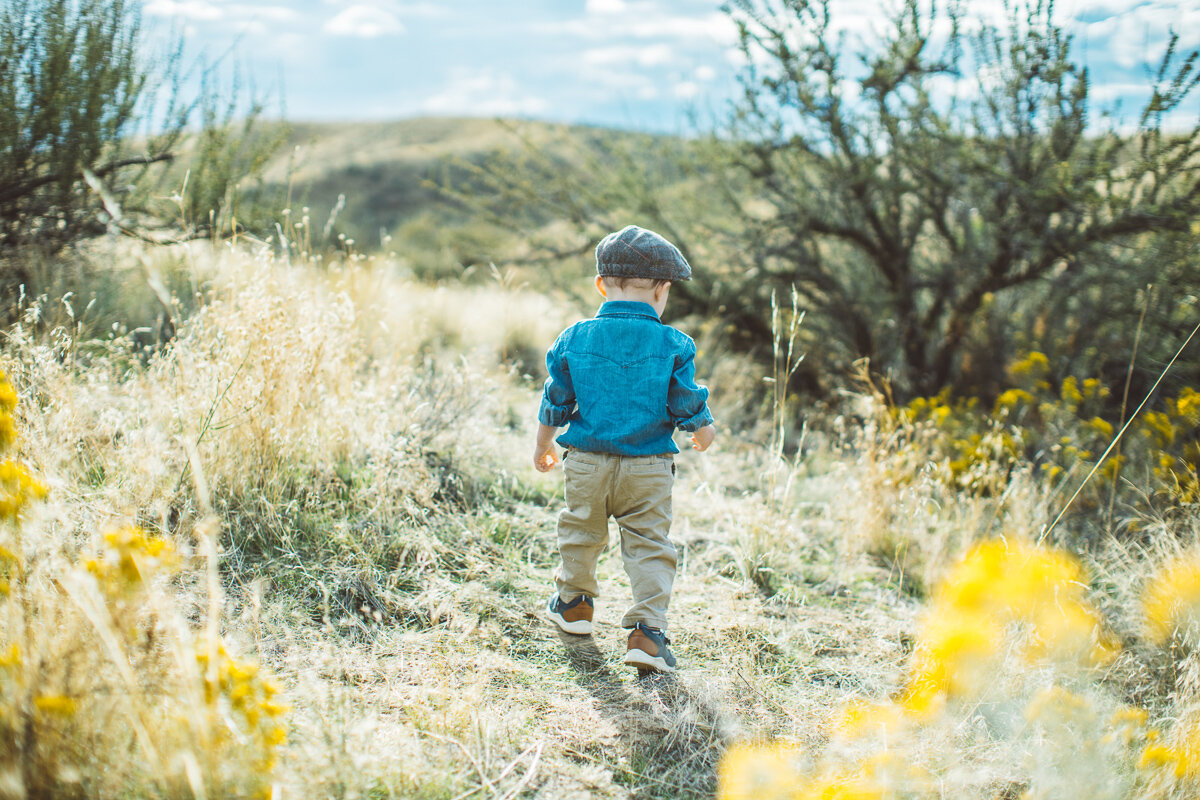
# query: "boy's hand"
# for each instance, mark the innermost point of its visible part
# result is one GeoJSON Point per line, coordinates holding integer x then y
{"type": "Point", "coordinates": [703, 437]}
{"type": "Point", "coordinates": [545, 458]}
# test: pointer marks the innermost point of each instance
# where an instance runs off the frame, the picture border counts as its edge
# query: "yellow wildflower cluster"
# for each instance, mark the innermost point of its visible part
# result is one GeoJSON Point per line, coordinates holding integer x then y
{"type": "Point", "coordinates": [1030, 368]}
{"type": "Point", "coordinates": [1186, 407]}
{"type": "Point", "coordinates": [1171, 603]}
{"type": "Point", "coordinates": [759, 772]}
{"type": "Point", "coordinates": [1006, 602]}
{"type": "Point", "coordinates": [17, 486]}
{"type": "Point", "coordinates": [1174, 434]}
{"type": "Point", "coordinates": [1004, 599]}
{"type": "Point", "coordinates": [1171, 606]}
{"type": "Point", "coordinates": [248, 694]}
{"type": "Point", "coordinates": [8, 404]}
{"type": "Point", "coordinates": [771, 772]}
{"type": "Point", "coordinates": [235, 728]}
{"type": "Point", "coordinates": [129, 560]}
{"type": "Point", "coordinates": [1057, 429]}
{"type": "Point", "coordinates": [1179, 752]}
{"type": "Point", "coordinates": [976, 458]}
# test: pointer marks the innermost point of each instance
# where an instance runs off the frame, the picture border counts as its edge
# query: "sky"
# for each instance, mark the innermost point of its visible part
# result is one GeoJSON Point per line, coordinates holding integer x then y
{"type": "Point", "coordinates": [643, 64]}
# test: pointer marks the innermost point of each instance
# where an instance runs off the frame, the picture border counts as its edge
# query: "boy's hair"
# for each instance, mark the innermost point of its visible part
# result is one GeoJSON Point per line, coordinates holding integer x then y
{"type": "Point", "coordinates": [621, 282]}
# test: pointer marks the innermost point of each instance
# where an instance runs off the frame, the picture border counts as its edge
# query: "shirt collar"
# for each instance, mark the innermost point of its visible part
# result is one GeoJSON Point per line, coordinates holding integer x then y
{"type": "Point", "coordinates": [627, 308]}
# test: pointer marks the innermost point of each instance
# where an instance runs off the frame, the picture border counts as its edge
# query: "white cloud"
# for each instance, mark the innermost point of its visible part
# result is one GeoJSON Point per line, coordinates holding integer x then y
{"type": "Point", "coordinates": [269, 13]}
{"type": "Point", "coordinates": [646, 21]}
{"type": "Point", "coordinates": [654, 55]}
{"type": "Point", "coordinates": [1109, 92]}
{"type": "Point", "coordinates": [705, 73]}
{"type": "Point", "coordinates": [364, 22]}
{"type": "Point", "coordinates": [187, 9]}
{"type": "Point", "coordinates": [1138, 36]}
{"type": "Point", "coordinates": [712, 27]}
{"type": "Point", "coordinates": [244, 17]}
{"type": "Point", "coordinates": [686, 90]}
{"type": "Point", "coordinates": [945, 87]}
{"type": "Point", "coordinates": [605, 6]}
{"type": "Point", "coordinates": [251, 27]}
{"type": "Point", "coordinates": [484, 93]}
{"type": "Point", "coordinates": [615, 80]}
{"type": "Point", "coordinates": [424, 10]}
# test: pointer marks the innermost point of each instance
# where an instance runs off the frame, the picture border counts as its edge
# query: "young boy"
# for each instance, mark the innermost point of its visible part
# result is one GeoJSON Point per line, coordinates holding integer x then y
{"type": "Point", "coordinates": [622, 382]}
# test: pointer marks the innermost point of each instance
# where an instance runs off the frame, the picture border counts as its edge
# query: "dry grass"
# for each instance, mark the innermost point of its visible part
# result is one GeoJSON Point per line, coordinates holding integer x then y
{"type": "Point", "coordinates": [384, 550]}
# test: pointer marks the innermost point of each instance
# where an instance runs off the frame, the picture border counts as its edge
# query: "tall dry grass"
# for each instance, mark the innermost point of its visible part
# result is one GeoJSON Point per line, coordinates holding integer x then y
{"type": "Point", "coordinates": [324, 473]}
{"type": "Point", "coordinates": [319, 431]}
{"type": "Point", "coordinates": [1033, 671]}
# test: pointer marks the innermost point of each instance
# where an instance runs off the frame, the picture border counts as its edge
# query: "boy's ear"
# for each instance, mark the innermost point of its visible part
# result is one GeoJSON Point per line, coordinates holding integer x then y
{"type": "Point", "coordinates": [600, 287]}
{"type": "Point", "coordinates": [660, 290]}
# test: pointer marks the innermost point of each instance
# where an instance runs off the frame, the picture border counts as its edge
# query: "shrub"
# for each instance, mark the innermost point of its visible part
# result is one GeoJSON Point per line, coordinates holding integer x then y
{"type": "Point", "coordinates": [88, 114]}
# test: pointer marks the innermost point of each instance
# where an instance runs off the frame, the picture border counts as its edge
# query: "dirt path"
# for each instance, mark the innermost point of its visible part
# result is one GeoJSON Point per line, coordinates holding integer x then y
{"type": "Point", "coordinates": [750, 668]}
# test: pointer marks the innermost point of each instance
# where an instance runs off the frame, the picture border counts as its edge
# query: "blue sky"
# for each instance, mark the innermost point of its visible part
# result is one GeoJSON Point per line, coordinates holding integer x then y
{"type": "Point", "coordinates": [627, 63]}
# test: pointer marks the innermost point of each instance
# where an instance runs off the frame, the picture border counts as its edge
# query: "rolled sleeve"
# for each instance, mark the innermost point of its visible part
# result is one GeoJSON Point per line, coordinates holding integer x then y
{"type": "Point", "coordinates": [558, 394]}
{"type": "Point", "coordinates": [687, 401]}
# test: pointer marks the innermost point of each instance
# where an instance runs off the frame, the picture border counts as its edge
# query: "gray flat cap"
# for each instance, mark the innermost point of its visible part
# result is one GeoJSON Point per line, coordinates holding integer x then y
{"type": "Point", "coordinates": [634, 252]}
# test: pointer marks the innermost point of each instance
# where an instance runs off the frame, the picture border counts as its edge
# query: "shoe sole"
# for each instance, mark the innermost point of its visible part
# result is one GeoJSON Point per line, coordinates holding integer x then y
{"type": "Point", "coordinates": [580, 627]}
{"type": "Point", "coordinates": [643, 660]}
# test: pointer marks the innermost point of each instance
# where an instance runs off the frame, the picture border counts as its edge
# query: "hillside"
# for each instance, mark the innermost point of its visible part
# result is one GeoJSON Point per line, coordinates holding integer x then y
{"type": "Point", "coordinates": [385, 172]}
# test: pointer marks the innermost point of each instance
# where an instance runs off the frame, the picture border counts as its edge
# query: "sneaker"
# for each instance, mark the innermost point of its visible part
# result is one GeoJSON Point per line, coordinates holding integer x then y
{"type": "Point", "coordinates": [573, 617]}
{"type": "Point", "coordinates": [648, 650]}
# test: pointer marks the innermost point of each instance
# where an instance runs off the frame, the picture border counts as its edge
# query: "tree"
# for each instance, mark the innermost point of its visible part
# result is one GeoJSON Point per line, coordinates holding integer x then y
{"type": "Point", "coordinates": [84, 116]}
{"type": "Point", "coordinates": [903, 193]}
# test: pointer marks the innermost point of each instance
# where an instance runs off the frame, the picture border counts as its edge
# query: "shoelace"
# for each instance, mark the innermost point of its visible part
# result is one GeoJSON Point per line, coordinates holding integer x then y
{"type": "Point", "coordinates": [647, 629]}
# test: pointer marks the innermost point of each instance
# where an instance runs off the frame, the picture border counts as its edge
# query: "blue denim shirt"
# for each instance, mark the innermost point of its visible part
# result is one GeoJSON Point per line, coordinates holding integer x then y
{"type": "Point", "coordinates": [622, 382]}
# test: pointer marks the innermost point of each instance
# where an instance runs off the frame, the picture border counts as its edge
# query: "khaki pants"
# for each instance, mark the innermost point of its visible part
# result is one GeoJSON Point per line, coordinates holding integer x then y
{"type": "Point", "coordinates": [636, 491]}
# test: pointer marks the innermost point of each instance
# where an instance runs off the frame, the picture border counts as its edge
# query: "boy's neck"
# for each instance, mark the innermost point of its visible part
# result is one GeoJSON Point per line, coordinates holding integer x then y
{"type": "Point", "coordinates": [635, 295]}
{"type": "Point", "coordinates": [655, 299]}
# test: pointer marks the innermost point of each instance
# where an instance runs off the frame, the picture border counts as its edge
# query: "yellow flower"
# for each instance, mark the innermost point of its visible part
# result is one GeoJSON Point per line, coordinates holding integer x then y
{"type": "Point", "coordinates": [58, 704]}
{"type": "Point", "coordinates": [130, 559]}
{"type": "Point", "coordinates": [248, 691]}
{"type": "Point", "coordinates": [1172, 599]}
{"type": "Point", "coordinates": [8, 395]}
{"type": "Point", "coordinates": [1127, 726]}
{"type": "Point", "coordinates": [1102, 427]}
{"type": "Point", "coordinates": [1130, 716]}
{"type": "Point", "coordinates": [1158, 426]}
{"type": "Point", "coordinates": [860, 718]}
{"type": "Point", "coordinates": [1070, 392]}
{"type": "Point", "coordinates": [1092, 389]}
{"type": "Point", "coordinates": [757, 772]}
{"type": "Point", "coordinates": [1157, 755]}
{"type": "Point", "coordinates": [1187, 406]}
{"type": "Point", "coordinates": [1112, 466]}
{"type": "Point", "coordinates": [17, 488]}
{"type": "Point", "coordinates": [1034, 365]}
{"type": "Point", "coordinates": [843, 787]}
{"type": "Point", "coordinates": [969, 624]}
{"type": "Point", "coordinates": [8, 403]}
{"type": "Point", "coordinates": [1058, 704]}
{"type": "Point", "coordinates": [8, 431]}
{"type": "Point", "coordinates": [1010, 399]}
{"type": "Point", "coordinates": [11, 658]}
